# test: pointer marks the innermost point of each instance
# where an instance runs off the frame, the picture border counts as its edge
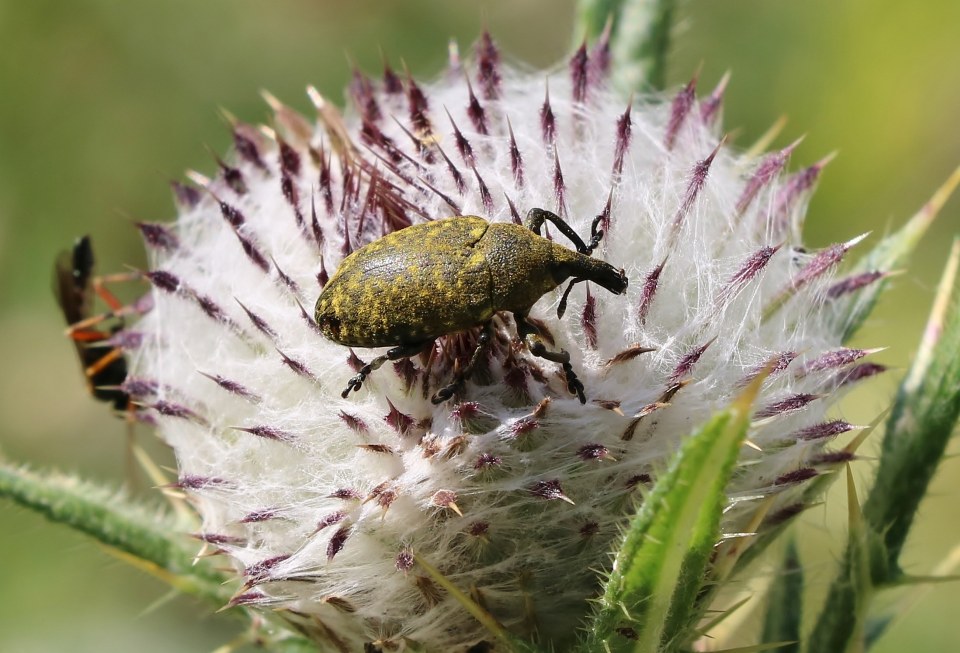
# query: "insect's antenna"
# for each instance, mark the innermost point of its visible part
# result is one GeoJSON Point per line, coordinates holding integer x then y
{"type": "Point", "coordinates": [562, 307]}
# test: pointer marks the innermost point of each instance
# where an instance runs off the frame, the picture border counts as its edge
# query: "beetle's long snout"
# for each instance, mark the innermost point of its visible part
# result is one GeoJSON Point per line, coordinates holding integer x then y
{"type": "Point", "coordinates": [591, 269]}
{"type": "Point", "coordinates": [603, 274]}
{"type": "Point", "coordinates": [620, 286]}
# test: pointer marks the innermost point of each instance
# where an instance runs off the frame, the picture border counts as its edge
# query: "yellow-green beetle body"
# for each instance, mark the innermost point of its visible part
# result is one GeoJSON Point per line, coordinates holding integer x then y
{"type": "Point", "coordinates": [440, 277]}
{"type": "Point", "coordinates": [444, 276]}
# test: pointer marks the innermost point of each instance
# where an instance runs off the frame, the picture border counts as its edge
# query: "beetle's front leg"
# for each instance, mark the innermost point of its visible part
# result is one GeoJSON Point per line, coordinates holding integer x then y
{"type": "Point", "coordinates": [398, 352]}
{"type": "Point", "coordinates": [531, 337]}
{"type": "Point", "coordinates": [483, 342]}
{"type": "Point", "coordinates": [536, 218]}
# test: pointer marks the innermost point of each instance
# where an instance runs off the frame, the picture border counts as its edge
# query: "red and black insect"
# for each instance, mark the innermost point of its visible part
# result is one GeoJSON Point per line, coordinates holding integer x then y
{"type": "Point", "coordinates": [102, 359]}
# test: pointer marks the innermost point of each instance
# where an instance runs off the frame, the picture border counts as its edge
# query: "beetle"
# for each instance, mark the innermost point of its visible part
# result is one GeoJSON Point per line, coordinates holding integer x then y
{"type": "Point", "coordinates": [437, 278]}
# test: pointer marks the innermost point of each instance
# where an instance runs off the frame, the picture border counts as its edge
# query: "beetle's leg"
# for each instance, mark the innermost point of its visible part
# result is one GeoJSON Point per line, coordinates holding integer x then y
{"type": "Point", "coordinates": [536, 217]}
{"type": "Point", "coordinates": [596, 234]}
{"type": "Point", "coordinates": [483, 342]}
{"type": "Point", "coordinates": [531, 337]}
{"type": "Point", "coordinates": [398, 352]}
{"type": "Point", "coordinates": [562, 306]}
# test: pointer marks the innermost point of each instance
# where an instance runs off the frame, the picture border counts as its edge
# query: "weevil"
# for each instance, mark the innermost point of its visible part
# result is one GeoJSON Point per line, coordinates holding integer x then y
{"type": "Point", "coordinates": [437, 278]}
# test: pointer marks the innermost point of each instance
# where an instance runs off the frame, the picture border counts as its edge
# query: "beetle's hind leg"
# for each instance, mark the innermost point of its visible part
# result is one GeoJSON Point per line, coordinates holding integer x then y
{"type": "Point", "coordinates": [483, 341]}
{"type": "Point", "coordinates": [398, 352]}
{"type": "Point", "coordinates": [531, 337]}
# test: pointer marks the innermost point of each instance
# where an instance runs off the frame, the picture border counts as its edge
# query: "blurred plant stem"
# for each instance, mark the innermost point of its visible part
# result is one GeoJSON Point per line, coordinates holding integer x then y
{"type": "Point", "coordinates": [639, 32]}
{"type": "Point", "coordinates": [150, 538]}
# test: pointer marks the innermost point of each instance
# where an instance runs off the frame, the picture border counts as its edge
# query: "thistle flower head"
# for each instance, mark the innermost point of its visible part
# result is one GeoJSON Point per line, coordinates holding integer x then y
{"type": "Point", "coordinates": [513, 490]}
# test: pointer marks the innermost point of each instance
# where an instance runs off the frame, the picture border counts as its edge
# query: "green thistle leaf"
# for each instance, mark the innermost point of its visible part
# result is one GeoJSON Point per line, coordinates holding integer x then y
{"type": "Point", "coordinates": [922, 420]}
{"type": "Point", "coordinates": [842, 623]}
{"type": "Point", "coordinates": [650, 601]}
{"type": "Point", "coordinates": [785, 602]}
{"type": "Point", "coordinates": [924, 415]}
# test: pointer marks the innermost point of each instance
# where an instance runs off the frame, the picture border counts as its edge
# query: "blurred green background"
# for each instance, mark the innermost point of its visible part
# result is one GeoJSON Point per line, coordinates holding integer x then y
{"type": "Point", "coordinates": [102, 102]}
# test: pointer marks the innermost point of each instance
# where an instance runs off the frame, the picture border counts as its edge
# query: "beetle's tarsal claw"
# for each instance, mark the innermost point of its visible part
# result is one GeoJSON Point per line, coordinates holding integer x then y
{"type": "Point", "coordinates": [353, 384]}
{"type": "Point", "coordinates": [443, 394]}
{"type": "Point", "coordinates": [595, 231]}
{"type": "Point", "coordinates": [573, 383]}
{"type": "Point", "coordinates": [594, 243]}
{"type": "Point", "coordinates": [596, 235]}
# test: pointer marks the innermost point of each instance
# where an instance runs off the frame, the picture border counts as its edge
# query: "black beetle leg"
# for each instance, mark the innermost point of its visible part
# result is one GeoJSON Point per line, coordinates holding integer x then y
{"type": "Point", "coordinates": [596, 234]}
{"type": "Point", "coordinates": [562, 306]}
{"type": "Point", "coordinates": [531, 337]}
{"type": "Point", "coordinates": [536, 218]}
{"type": "Point", "coordinates": [483, 341]}
{"type": "Point", "coordinates": [398, 352]}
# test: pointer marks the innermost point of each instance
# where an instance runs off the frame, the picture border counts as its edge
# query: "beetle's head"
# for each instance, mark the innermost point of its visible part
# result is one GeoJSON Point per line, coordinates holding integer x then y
{"type": "Point", "coordinates": [609, 277]}
{"type": "Point", "coordinates": [587, 268]}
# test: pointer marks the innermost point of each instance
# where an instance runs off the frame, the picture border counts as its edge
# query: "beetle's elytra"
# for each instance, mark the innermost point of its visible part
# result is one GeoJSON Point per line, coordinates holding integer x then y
{"type": "Point", "coordinates": [436, 278]}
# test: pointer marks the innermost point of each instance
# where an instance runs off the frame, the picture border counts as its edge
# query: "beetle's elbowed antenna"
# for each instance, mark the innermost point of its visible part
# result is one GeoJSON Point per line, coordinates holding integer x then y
{"type": "Point", "coordinates": [581, 268]}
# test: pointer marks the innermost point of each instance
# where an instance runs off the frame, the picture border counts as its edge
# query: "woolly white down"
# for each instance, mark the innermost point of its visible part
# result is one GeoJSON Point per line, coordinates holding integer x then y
{"type": "Point", "coordinates": [535, 554]}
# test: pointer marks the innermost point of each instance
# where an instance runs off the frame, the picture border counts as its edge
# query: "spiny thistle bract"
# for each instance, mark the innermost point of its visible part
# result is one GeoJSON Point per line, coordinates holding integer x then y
{"type": "Point", "coordinates": [515, 491]}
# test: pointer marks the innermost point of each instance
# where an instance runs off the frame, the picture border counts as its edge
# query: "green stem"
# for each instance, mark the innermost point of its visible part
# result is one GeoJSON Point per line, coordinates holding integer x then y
{"type": "Point", "coordinates": [150, 538]}
{"type": "Point", "coordinates": [639, 38]}
{"type": "Point", "coordinates": [782, 621]}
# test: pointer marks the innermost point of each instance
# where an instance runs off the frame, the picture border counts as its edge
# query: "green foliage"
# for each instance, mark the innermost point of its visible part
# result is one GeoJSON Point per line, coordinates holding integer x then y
{"type": "Point", "coordinates": [923, 418]}
{"type": "Point", "coordinates": [924, 415]}
{"type": "Point", "coordinates": [650, 602]}
{"type": "Point", "coordinates": [150, 536]}
{"type": "Point", "coordinates": [639, 38]}
{"type": "Point", "coordinates": [840, 626]}
{"type": "Point", "coordinates": [785, 602]}
{"type": "Point", "coordinates": [147, 537]}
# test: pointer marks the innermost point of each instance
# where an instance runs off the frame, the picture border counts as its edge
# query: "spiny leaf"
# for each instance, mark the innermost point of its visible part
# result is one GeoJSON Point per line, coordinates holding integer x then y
{"type": "Point", "coordinates": [924, 414]}
{"type": "Point", "coordinates": [785, 602]}
{"type": "Point", "coordinates": [890, 254]}
{"type": "Point", "coordinates": [147, 538]}
{"type": "Point", "coordinates": [150, 537]}
{"type": "Point", "coordinates": [650, 599]}
{"type": "Point", "coordinates": [923, 417]}
{"type": "Point", "coordinates": [841, 625]}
